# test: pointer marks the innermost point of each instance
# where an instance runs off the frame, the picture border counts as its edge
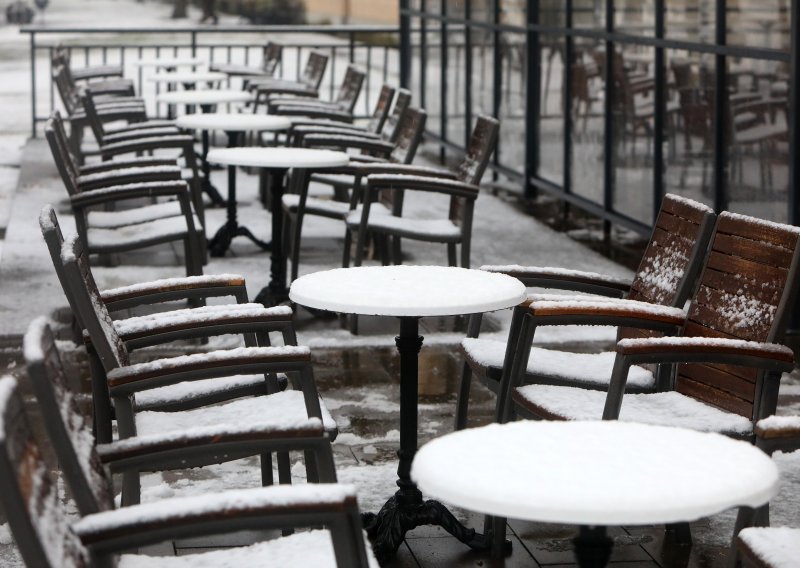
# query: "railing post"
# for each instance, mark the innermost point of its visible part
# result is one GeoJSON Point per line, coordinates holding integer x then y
{"type": "Point", "coordinates": [352, 54]}
{"type": "Point", "coordinates": [405, 44]}
{"type": "Point", "coordinates": [532, 99]}
{"type": "Point", "coordinates": [33, 83]}
{"type": "Point", "coordinates": [194, 43]}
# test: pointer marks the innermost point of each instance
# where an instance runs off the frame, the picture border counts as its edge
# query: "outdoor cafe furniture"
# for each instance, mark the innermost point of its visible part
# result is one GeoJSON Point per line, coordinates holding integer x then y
{"type": "Point", "coordinates": [188, 78]}
{"type": "Point", "coordinates": [47, 538]}
{"type": "Point", "coordinates": [594, 474]}
{"type": "Point", "coordinates": [272, 55]}
{"type": "Point", "coordinates": [275, 163]}
{"type": "Point", "coordinates": [168, 62]}
{"type": "Point", "coordinates": [307, 83]}
{"type": "Point", "coordinates": [727, 356]}
{"type": "Point", "coordinates": [63, 55]}
{"type": "Point", "coordinates": [233, 125]}
{"type": "Point", "coordinates": [344, 101]}
{"type": "Point", "coordinates": [666, 276]}
{"type": "Point", "coordinates": [297, 205]}
{"type": "Point", "coordinates": [206, 99]}
{"type": "Point", "coordinates": [408, 293]}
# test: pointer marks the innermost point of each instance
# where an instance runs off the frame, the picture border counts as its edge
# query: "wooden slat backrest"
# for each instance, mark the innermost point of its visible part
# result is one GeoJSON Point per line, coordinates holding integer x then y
{"type": "Point", "coordinates": [95, 316]}
{"type": "Point", "coordinates": [67, 428]}
{"type": "Point", "coordinates": [401, 102]}
{"type": "Point", "coordinates": [59, 146]}
{"type": "Point", "coordinates": [29, 497]}
{"type": "Point", "coordinates": [273, 53]}
{"type": "Point", "coordinates": [379, 115]}
{"type": "Point", "coordinates": [481, 145]}
{"type": "Point", "coordinates": [69, 98]}
{"type": "Point", "coordinates": [671, 263]}
{"type": "Point", "coordinates": [351, 88]}
{"type": "Point", "coordinates": [409, 135]}
{"type": "Point", "coordinates": [745, 291]}
{"type": "Point", "coordinates": [91, 114]}
{"type": "Point", "coordinates": [314, 69]}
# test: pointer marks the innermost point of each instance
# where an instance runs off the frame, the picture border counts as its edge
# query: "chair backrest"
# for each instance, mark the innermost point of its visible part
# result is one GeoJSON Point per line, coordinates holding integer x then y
{"type": "Point", "coordinates": [68, 430]}
{"type": "Point", "coordinates": [410, 130]}
{"type": "Point", "coordinates": [748, 284]}
{"type": "Point", "coordinates": [54, 239]}
{"type": "Point", "coordinates": [314, 70]}
{"type": "Point", "coordinates": [482, 143]}
{"type": "Point", "coordinates": [89, 305]}
{"type": "Point", "coordinates": [392, 124]}
{"type": "Point", "coordinates": [667, 274]}
{"type": "Point", "coordinates": [351, 88]}
{"type": "Point", "coordinates": [273, 53]}
{"type": "Point", "coordinates": [58, 141]}
{"type": "Point", "coordinates": [382, 106]}
{"type": "Point", "coordinates": [29, 497]}
{"type": "Point", "coordinates": [66, 89]}
{"type": "Point", "coordinates": [92, 116]}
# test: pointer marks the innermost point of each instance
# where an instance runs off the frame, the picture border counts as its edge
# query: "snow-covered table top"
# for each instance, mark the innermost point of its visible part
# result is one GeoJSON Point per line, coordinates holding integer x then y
{"type": "Point", "coordinates": [168, 62]}
{"type": "Point", "coordinates": [269, 157]}
{"type": "Point", "coordinates": [232, 122]}
{"type": "Point", "coordinates": [187, 77]}
{"type": "Point", "coordinates": [407, 291]}
{"type": "Point", "coordinates": [204, 97]}
{"type": "Point", "coordinates": [594, 473]}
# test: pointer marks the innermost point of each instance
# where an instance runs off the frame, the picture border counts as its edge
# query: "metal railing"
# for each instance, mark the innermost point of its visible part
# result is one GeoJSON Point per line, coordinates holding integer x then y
{"type": "Point", "coordinates": [375, 48]}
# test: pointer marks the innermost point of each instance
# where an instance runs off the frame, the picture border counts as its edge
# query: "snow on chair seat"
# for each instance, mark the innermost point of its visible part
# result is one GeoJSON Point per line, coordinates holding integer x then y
{"type": "Point", "coordinates": [770, 547]}
{"type": "Point", "coordinates": [315, 206]}
{"type": "Point", "coordinates": [424, 229]}
{"type": "Point", "coordinates": [136, 236]}
{"type": "Point", "coordinates": [588, 370]}
{"type": "Point", "coordinates": [661, 409]}
{"type": "Point", "coordinates": [135, 216]}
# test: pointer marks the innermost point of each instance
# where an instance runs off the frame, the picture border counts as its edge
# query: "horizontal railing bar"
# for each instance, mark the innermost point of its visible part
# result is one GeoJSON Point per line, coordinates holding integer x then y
{"type": "Point", "coordinates": [38, 29]}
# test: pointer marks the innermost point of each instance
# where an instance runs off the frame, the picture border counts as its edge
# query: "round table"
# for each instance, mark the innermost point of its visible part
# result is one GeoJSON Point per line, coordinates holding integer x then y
{"type": "Point", "coordinates": [205, 99]}
{"type": "Point", "coordinates": [275, 162]}
{"type": "Point", "coordinates": [594, 474]}
{"type": "Point", "coordinates": [232, 125]}
{"type": "Point", "coordinates": [168, 62]}
{"type": "Point", "coordinates": [188, 77]}
{"type": "Point", "coordinates": [409, 292]}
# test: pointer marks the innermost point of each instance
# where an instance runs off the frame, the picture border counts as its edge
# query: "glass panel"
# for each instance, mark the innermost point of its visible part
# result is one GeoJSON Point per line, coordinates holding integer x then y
{"type": "Point", "coordinates": [513, 12]}
{"type": "Point", "coordinates": [634, 17]}
{"type": "Point", "coordinates": [456, 84]}
{"type": "Point", "coordinates": [759, 24]}
{"type": "Point", "coordinates": [689, 136]}
{"type": "Point", "coordinates": [551, 112]}
{"type": "Point", "coordinates": [433, 65]}
{"type": "Point", "coordinates": [758, 151]}
{"type": "Point", "coordinates": [551, 13]}
{"type": "Point", "coordinates": [456, 8]}
{"type": "Point", "coordinates": [633, 133]}
{"type": "Point", "coordinates": [587, 121]}
{"type": "Point", "coordinates": [691, 20]}
{"type": "Point", "coordinates": [588, 13]}
{"type": "Point", "coordinates": [512, 103]}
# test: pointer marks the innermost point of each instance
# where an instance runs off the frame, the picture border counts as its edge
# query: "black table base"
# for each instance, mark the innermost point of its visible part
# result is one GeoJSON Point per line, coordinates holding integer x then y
{"type": "Point", "coordinates": [593, 547]}
{"type": "Point", "coordinates": [208, 188]}
{"type": "Point", "coordinates": [276, 292]}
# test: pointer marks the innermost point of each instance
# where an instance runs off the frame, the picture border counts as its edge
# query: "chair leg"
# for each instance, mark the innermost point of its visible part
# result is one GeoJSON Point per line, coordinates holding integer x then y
{"type": "Point", "coordinates": [131, 488]}
{"type": "Point", "coordinates": [312, 471]}
{"type": "Point", "coordinates": [462, 398]}
{"type": "Point", "coordinates": [451, 254]}
{"type": "Point", "coordinates": [397, 253]}
{"type": "Point", "coordinates": [267, 477]}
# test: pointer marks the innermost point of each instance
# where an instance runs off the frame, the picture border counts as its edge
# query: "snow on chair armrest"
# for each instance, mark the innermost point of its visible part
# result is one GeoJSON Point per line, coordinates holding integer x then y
{"type": "Point", "coordinates": [134, 174]}
{"type": "Point", "coordinates": [148, 143]}
{"type": "Point", "coordinates": [606, 311]}
{"type": "Point", "coordinates": [166, 285]}
{"type": "Point", "coordinates": [423, 182]}
{"type": "Point", "coordinates": [130, 191]}
{"type": "Point", "coordinates": [146, 161]}
{"type": "Point", "coordinates": [547, 276]}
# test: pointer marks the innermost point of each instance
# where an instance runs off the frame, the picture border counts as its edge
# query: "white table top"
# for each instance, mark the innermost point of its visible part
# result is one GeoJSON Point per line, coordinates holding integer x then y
{"type": "Point", "coordinates": [407, 291]}
{"type": "Point", "coordinates": [232, 122]}
{"type": "Point", "coordinates": [204, 97]}
{"type": "Point", "coordinates": [168, 61]}
{"type": "Point", "coordinates": [268, 157]}
{"type": "Point", "coordinates": [187, 77]}
{"type": "Point", "coordinates": [594, 473]}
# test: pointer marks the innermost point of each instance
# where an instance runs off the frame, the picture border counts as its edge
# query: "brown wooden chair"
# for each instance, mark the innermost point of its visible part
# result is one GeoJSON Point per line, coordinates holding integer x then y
{"type": "Point", "coordinates": [271, 59]}
{"type": "Point", "coordinates": [47, 539]}
{"type": "Point", "coordinates": [344, 101]}
{"type": "Point", "coordinates": [63, 56]}
{"type": "Point", "coordinates": [667, 275]}
{"type": "Point", "coordinates": [307, 83]}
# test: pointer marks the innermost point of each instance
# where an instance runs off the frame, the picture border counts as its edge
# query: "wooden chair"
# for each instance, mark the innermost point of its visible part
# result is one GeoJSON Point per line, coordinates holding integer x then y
{"type": "Point", "coordinates": [63, 56]}
{"type": "Point", "coordinates": [463, 191]}
{"type": "Point", "coordinates": [297, 205]}
{"type": "Point", "coordinates": [307, 83]}
{"type": "Point", "coordinates": [46, 539]}
{"type": "Point", "coordinates": [271, 59]}
{"type": "Point", "coordinates": [726, 361]}
{"type": "Point", "coordinates": [667, 275]}
{"type": "Point", "coordinates": [344, 101]}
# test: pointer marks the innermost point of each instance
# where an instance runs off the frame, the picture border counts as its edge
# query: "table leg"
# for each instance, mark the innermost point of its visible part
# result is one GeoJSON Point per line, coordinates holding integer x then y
{"type": "Point", "coordinates": [209, 189]}
{"type": "Point", "coordinates": [406, 509]}
{"type": "Point", "coordinates": [593, 547]}
{"type": "Point", "coordinates": [276, 291]}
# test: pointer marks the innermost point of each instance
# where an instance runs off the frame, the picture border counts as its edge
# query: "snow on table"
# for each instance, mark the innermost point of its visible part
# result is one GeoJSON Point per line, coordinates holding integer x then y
{"type": "Point", "coordinates": [168, 62]}
{"type": "Point", "coordinates": [204, 97]}
{"type": "Point", "coordinates": [407, 291]}
{"type": "Point", "coordinates": [187, 77]}
{"type": "Point", "coordinates": [278, 157]}
{"type": "Point", "coordinates": [233, 122]}
{"type": "Point", "coordinates": [594, 473]}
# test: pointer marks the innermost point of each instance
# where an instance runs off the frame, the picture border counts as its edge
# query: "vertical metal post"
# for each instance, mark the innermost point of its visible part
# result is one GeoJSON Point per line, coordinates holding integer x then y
{"type": "Point", "coordinates": [405, 44]}
{"type": "Point", "coordinates": [720, 111]}
{"type": "Point", "coordinates": [660, 108]}
{"type": "Point", "coordinates": [443, 80]}
{"type": "Point", "coordinates": [794, 115]}
{"type": "Point", "coordinates": [468, 72]}
{"type": "Point", "coordinates": [33, 83]}
{"type": "Point", "coordinates": [352, 52]}
{"type": "Point", "coordinates": [608, 135]}
{"type": "Point", "coordinates": [423, 54]}
{"type": "Point", "coordinates": [569, 59]}
{"type": "Point", "coordinates": [532, 99]}
{"type": "Point", "coordinates": [497, 77]}
{"type": "Point", "coordinates": [194, 44]}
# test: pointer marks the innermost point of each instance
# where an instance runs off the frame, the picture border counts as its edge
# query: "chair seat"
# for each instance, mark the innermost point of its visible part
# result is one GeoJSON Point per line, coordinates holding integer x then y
{"type": "Point", "coordinates": [116, 219]}
{"type": "Point", "coordinates": [442, 230]}
{"type": "Point", "coordinates": [342, 180]}
{"type": "Point", "coordinates": [661, 409]}
{"type": "Point", "coordinates": [80, 73]}
{"type": "Point", "coordinates": [277, 411]}
{"type": "Point", "coordinates": [234, 69]}
{"type": "Point", "coordinates": [587, 370]}
{"type": "Point", "coordinates": [314, 206]}
{"type": "Point", "coordinates": [774, 547]}
{"type": "Point", "coordinates": [190, 391]}
{"type": "Point", "coordinates": [313, 548]}
{"type": "Point", "coordinates": [136, 236]}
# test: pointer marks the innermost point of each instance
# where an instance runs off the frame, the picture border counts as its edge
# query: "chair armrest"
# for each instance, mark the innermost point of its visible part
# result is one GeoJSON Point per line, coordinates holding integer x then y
{"type": "Point", "coordinates": [314, 112]}
{"type": "Point", "coordinates": [149, 123]}
{"type": "Point", "coordinates": [130, 113]}
{"type": "Point", "coordinates": [135, 133]}
{"type": "Point", "coordinates": [366, 168]}
{"type": "Point", "coordinates": [333, 128]}
{"type": "Point", "coordinates": [148, 143]}
{"type": "Point", "coordinates": [264, 89]}
{"type": "Point", "coordinates": [423, 183]}
{"type": "Point", "coordinates": [778, 433]}
{"type": "Point", "coordinates": [301, 122]}
{"type": "Point", "coordinates": [277, 506]}
{"type": "Point", "coordinates": [124, 381]}
{"type": "Point", "coordinates": [769, 356]}
{"type": "Point", "coordinates": [123, 176]}
{"type": "Point", "coordinates": [566, 279]}
{"type": "Point", "coordinates": [96, 72]}
{"type": "Point", "coordinates": [548, 309]}
{"type": "Point", "coordinates": [345, 141]}
{"type": "Point", "coordinates": [130, 191]}
{"type": "Point", "coordinates": [129, 163]}
{"type": "Point", "coordinates": [172, 289]}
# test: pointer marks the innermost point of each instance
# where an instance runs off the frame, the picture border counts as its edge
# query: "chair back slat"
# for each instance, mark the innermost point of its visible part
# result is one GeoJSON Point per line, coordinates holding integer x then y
{"type": "Point", "coordinates": [29, 497]}
{"type": "Point", "coordinates": [747, 286]}
{"type": "Point", "coordinates": [410, 131]}
{"type": "Point", "coordinates": [382, 106]}
{"type": "Point", "coordinates": [314, 70]}
{"type": "Point", "coordinates": [66, 427]}
{"type": "Point", "coordinates": [59, 146]}
{"type": "Point", "coordinates": [54, 239]}
{"type": "Point", "coordinates": [391, 127]}
{"type": "Point", "coordinates": [272, 56]}
{"type": "Point", "coordinates": [95, 123]}
{"type": "Point", "coordinates": [66, 90]}
{"type": "Point", "coordinates": [92, 309]}
{"type": "Point", "coordinates": [481, 145]}
{"type": "Point", "coordinates": [350, 88]}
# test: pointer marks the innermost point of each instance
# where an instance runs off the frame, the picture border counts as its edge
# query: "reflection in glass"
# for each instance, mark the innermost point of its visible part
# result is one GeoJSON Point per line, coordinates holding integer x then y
{"type": "Point", "coordinates": [551, 111]}
{"type": "Point", "coordinates": [587, 122]}
{"type": "Point", "coordinates": [691, 20]}
{"type": "Point", "coordinates": [634, 17]}
{"type": "Point", "coordinates": [512, 101]}
{"type": "Point", "coordinates": [456, 85]}
{"type": "Point", "coordinates": [757, 23]}
{"type": "Point", "coordinates": [588, 13]}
